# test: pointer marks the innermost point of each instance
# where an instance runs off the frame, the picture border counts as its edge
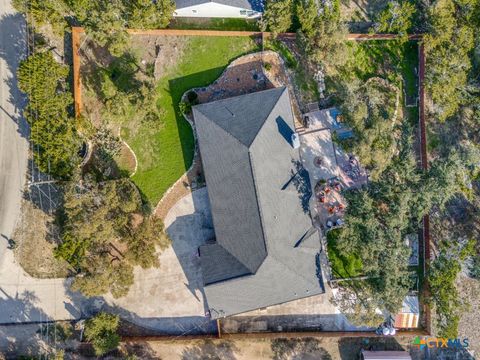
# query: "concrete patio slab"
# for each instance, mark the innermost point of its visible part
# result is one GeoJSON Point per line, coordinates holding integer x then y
{"type": "Point", "coordinates": [318, 155]}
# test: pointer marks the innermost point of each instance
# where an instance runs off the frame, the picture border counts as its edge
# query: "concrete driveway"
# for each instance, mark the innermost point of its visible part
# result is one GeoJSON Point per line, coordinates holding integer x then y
{"type": "Point", "coordinates": [171, 298]}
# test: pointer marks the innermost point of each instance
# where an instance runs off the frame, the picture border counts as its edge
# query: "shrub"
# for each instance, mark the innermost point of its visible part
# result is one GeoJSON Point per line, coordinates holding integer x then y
{"type": "Point", "coordinates": [185, 108]}
{"type": "Point", "coordinates": [101, 331]}
{"type": "Point", "coordinates": [53, 130]}
{"type": "Point", "coordinates": [475, 267]}
{"type": "Point", "coordinates": [443, 292]}
{"type": "Point", "coordinates": [192, 97]}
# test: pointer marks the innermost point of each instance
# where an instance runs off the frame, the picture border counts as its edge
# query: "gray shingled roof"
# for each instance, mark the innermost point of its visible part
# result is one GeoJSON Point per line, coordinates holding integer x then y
{"type": "Point", "coordinates": [266, 248]}
{"type": "Point", "coordinates": [256, 5]}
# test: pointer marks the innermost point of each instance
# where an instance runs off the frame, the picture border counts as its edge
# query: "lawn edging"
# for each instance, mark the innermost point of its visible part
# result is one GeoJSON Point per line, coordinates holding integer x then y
{"type": "Point", "coordinates": [162, 212]}
{"type": "Point", "coordinates": [131, 150]}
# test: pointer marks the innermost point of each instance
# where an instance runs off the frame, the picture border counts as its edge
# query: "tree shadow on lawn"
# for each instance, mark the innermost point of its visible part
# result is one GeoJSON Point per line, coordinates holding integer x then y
{"type": "Point", "coordinates": [176, 88]}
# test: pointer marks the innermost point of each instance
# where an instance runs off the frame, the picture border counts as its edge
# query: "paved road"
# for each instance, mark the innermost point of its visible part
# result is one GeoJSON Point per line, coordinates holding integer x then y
{"type": "Point", "coordinates": [22, 298]}
{"type": "Point", "coordinates": [13, 130]}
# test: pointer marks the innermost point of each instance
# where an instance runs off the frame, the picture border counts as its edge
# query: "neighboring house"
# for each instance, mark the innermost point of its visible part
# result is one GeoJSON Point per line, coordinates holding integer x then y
{"type": "Point", "coordinates": [219, 8]}
{"type": "Point", "coordinates": [266, 249]}
{"type": "Point", "coordinates": [385, 355]}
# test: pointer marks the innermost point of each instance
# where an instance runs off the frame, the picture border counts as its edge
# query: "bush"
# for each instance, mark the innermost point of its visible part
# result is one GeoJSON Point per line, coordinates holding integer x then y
{"type": "Point", "coordinates": [53, 130]}
{"type": "Point", "coordinates": [443, 292]}
{"type": "Point", "coordinates": [184, 107]}
{"type": "Point", "coordinates": [101, 331]}
{"type": "Point", "coordinates": [192, 97]}
{"type": "Point", "coordinates": [475, 267]}
{"type": "Point", "coordinates": [61, 331]}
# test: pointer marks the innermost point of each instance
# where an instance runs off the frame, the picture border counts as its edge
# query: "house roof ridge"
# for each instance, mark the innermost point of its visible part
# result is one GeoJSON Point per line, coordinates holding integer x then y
{"type": "Point", "coordinates": [221, 128]}
{"type": "Point", "coordinates": [270, 112]}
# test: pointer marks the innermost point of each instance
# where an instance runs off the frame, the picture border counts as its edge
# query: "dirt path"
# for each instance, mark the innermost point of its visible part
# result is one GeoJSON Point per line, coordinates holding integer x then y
{"type": "Point", "coordinates": [262, 348]}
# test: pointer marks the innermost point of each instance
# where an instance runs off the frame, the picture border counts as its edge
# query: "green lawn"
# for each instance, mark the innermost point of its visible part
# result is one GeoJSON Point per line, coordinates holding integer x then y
{"type": "Point", "coordinates": [214, 24]}
{"type": "Point", "coordinates": [389, 59]}
{"type": "Point", "coordinates": [343, 266]}
{"type": "Point", "coordinates": [164, 154]}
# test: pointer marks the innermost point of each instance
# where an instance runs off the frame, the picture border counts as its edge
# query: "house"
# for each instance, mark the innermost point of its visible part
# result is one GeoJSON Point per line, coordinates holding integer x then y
{"type": "Point", "coordinates": [249, 9]}
{"type": "Point", "coordinates": [266, 248]}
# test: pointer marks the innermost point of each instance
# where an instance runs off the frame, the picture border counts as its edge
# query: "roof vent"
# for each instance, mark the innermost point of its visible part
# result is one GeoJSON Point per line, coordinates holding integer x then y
{"type": "Point", "coordinates": [295, 140]}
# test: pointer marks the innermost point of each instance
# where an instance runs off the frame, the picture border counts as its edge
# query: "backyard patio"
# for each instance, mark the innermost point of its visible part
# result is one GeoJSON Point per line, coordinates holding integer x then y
{"type": "Point", "coordinates": [331, 169]}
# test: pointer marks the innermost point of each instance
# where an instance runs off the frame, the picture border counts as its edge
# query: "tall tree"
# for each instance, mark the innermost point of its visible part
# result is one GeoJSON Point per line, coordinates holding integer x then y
{"type": "Point", "coordinates": [52, 128]}
{"type": "Point", "coordinates": [148, 14]}
{"type": "Point", "coordinates": [447, 45]}
{"type": "Point", "coordinates": [106, 23]}
{"type": "Point", "coordinates": [102, 239]}
{"type": "Point", "coordinates": [444, 295]}
{"type": "Point", "coordinates": [278, 16]}
{"type": "Point", "coordinates": [377, 220]}
{"type": "Point", "coordinates": [396, 18]}
{"type": "Point", "coordinates": [370, 110]}
{"type": "Point", "coordinates": [41, 12]}
{"type": "Point", "coordinates": [322, 33]}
